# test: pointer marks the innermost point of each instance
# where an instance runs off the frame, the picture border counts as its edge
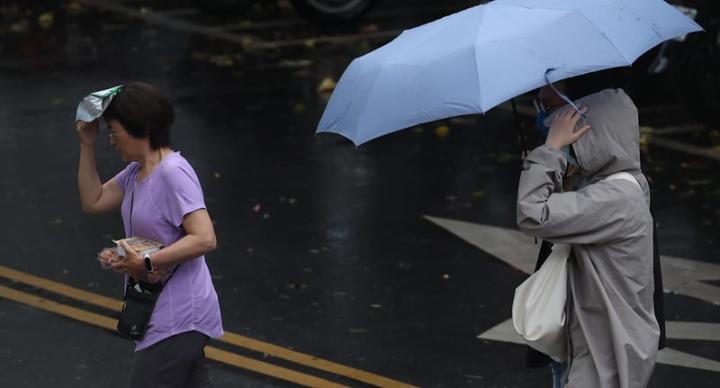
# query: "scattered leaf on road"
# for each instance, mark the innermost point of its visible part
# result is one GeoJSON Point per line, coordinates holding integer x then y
{"type": "Point", "coordinates": [46, 20]}
{"type": "Point", "coordinates": [326, 86]}
{"type": "Point", "coordinates": [442, 131]}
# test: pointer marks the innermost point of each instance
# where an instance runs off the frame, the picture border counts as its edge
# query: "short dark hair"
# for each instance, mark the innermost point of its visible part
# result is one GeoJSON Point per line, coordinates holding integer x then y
{"type": "Point", "coordinates": [144, 112]}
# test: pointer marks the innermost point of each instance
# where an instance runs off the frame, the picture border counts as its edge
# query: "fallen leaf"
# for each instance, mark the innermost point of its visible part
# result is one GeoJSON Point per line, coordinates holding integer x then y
{"type": "Point", "coordinates": [45, 20]}
{"type": "Point", "coordinates": [645, 134]}
{"type": "Point", "coordinates": [442, 131]}
{"type": "Point", "coordinates": [327, 85]}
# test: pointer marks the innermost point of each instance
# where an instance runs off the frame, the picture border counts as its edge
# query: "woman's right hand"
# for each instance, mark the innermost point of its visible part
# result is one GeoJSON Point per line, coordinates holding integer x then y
{"type": "Point", "coordinates": [562, 131]}
{"type": "Point", "coordinates": [87, 131]}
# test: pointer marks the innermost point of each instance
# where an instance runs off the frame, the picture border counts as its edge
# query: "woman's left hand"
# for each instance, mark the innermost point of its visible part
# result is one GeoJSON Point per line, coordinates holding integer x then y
{"type": "Point", "coordinates": [132, 264]}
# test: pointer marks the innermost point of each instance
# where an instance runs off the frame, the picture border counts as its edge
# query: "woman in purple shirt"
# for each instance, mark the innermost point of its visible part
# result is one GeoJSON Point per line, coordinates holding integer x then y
{"type": "Point", "coordinates": [160, 198]}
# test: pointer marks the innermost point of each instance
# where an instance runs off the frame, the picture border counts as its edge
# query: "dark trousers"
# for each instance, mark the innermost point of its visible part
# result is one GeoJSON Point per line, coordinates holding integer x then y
{"type": "Point", "coordinates": [175, 362]}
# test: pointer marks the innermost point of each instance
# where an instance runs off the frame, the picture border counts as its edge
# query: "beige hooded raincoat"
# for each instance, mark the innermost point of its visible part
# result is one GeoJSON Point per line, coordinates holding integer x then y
{"type": "Point", "coordinates": [613, 333]}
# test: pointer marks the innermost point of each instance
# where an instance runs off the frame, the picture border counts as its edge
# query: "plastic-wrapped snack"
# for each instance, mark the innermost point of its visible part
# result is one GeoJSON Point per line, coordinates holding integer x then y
{"type": "Point", "coordinates": [108, 256]}
{"type": "Point", "coordinates": [139, 244]}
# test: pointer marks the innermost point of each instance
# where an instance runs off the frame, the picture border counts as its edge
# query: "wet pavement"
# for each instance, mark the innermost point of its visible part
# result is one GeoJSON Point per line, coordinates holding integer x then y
{"type": "Point", "coordinates": [323, 247]}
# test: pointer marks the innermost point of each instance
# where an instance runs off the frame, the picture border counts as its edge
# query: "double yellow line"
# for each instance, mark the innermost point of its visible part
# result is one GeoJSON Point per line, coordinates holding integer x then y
{"type": "Point", "coordinates": [213, 353]}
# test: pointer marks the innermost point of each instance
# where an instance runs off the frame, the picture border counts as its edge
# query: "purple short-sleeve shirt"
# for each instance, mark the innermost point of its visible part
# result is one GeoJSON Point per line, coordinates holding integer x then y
{"type": "Point", "coordinates": [159, 203]}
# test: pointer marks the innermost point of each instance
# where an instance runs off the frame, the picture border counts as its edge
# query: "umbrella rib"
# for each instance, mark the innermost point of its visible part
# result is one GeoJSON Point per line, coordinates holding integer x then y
{"type": "Point", "coordinates": [627, 62]}
{"type": "Point", "coordinates": [475, 58]}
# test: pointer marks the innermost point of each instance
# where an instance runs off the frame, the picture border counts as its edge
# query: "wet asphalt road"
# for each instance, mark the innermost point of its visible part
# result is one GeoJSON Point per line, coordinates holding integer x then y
{"type": "Point", "coordinates": [323, 248]}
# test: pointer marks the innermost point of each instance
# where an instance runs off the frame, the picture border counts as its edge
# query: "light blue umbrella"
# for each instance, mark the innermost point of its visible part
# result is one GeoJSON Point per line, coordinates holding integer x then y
{"type": "Point", "coordinates": [473, 60]}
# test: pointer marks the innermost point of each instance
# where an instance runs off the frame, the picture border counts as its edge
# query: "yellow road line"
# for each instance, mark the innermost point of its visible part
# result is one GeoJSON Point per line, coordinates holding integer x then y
{"type": "Point", "coordinates": [229, 337]}
{"type": "Point", "coordinates": [58, 308]}
{"type": "Point", "coordinates": [211, 352]}
{"type": "Point", "coordinates": [268, 369]}
{"type": "Point", "coordinates": [60, 288]}
{"type": "Point", "coordinates": [311, 361]}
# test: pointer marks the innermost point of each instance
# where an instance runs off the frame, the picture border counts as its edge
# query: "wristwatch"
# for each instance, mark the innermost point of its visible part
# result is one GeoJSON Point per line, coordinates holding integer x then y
{"type": "Point", "coordinates": [148, 264]}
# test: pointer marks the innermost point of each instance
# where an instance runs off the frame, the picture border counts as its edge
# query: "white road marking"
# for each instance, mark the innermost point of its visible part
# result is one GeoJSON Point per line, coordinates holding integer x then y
{"type": "Point", "coordinates": [504, 332]}
{"type": "Point", "coordinates": [681, 276]}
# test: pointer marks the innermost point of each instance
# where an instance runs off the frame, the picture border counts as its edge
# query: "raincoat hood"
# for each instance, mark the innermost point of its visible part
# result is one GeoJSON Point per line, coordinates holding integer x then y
{"type": "Point", "coordinates": [613, 143]}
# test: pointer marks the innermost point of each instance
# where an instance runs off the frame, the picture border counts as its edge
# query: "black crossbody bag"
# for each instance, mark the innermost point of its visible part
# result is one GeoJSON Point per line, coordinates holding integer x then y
{"type": "Point", "coordinates": [140, 298]}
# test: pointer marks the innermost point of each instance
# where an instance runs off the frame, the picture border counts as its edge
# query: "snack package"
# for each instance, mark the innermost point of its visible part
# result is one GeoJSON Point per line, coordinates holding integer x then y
{"type": "Point", "coordinates": [108, 256]}
{"type": "Point", "coordinates": [139, 244]}
{"type": "Point", "coordinates": [94, 104]}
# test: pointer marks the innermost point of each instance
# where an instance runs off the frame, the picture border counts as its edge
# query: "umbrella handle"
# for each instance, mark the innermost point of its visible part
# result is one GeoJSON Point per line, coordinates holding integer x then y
{"type": "Point", "coordinates": [564, 97]}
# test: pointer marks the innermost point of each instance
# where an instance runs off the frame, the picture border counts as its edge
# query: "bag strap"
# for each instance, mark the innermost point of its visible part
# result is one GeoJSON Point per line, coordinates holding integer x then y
{"type": "Point", "coordinates": [131, 281]}
{"type": "Point", "coordinates": [626, 176]}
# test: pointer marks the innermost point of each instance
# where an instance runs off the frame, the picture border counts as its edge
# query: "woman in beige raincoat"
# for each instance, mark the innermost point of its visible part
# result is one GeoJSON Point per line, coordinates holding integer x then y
{"type": "Point", "coordinates": [613, 332]}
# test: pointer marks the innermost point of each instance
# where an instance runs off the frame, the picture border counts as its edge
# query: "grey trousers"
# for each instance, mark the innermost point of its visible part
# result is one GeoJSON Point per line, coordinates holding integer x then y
{"type": "Point", "coordinates": [175, 362]}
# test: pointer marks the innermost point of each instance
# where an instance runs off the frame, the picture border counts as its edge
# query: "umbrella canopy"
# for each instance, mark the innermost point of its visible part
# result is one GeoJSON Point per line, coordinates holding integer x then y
{"type": "Point", "coordinates": [473, 60]}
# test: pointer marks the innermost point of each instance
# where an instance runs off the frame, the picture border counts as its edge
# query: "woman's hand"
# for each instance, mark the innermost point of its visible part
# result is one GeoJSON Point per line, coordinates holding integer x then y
{"type": "Point", "coordinates": [562, 131]}
{"type": "Point", "coordinates": [87, 131]}
{"type": "Point", "coordinates": [132, 264]}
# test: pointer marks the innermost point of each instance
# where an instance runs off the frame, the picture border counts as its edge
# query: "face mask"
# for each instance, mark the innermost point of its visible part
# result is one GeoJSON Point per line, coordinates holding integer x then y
{"type": "Point", "coordinates": [570, 155]}
{"type": "Point", "coordinates": [540, 123]}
